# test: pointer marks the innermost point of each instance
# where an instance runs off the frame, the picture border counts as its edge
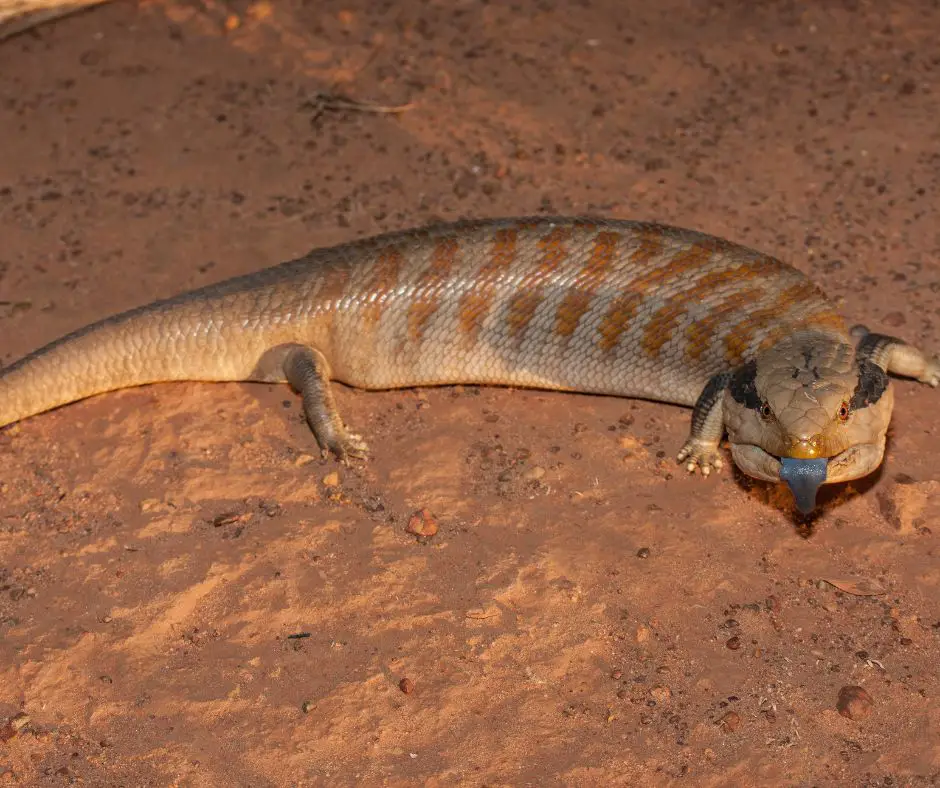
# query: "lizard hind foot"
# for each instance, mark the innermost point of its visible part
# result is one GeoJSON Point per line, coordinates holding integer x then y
{"type": "Point", "coordinates": [349, 447]}
{"type": "Point", "coordinates": [700, 455]}
{"type": "Point", "coordinates": [308, 372]}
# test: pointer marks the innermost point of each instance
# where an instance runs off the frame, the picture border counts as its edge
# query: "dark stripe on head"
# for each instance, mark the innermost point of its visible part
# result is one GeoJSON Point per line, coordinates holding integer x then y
{"type": "Point", "coordinates": [743, 386]}
{"type": "Point", "coordinates": [872, 382]}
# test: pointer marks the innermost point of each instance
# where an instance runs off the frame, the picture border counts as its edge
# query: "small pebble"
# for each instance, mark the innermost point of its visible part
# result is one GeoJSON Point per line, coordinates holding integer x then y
{"type": "Point", "coordinates": [894, 319]}
{"type": "Point", "coordinates": [534, 473]}
{"type": "Point", "coordinates": [307, 706]}
{"type": "Point", "coordinates": [661, 693]}
{"type": "Point", "coordinates": [331, 480]}
{"type": "Point", "coordinates": [734, 643]}
{"type": "Point", "coordinates": [730, 722]}
{"type": "Point", "coordinates": [617, 674]}
{"type": "Point", "coordinates": [149, 505]}
{"type": "Point", "coordinates": [643, 552]}
{"type": "Point", "coordinates": [406, 685]}
{"type": "Point", "coordinates": [422, 524]}
{"type": "Point", "coordinates": [854, 702]}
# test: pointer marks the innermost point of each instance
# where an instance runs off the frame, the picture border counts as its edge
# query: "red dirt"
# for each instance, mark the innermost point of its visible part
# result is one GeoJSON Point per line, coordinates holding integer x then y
{"type": "Point", "coordinates": [603, 620]}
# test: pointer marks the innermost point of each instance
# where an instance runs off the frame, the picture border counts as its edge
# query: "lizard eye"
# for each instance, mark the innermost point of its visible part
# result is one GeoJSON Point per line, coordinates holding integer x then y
{"type": "Point", "coordinates": [765, 411]}
{"type": "Point", "coordinates": [844, 412]}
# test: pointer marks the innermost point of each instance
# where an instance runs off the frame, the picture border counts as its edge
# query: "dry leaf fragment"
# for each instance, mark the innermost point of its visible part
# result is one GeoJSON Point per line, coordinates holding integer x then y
{"type": "Point", "coordinates": [861, 587]}
{"type": "Point", "coordinates": [481, 614]}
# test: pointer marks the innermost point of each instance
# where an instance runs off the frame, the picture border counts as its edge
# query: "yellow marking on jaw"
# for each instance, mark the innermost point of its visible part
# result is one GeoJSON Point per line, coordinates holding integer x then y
{"type": "Point", "coordinates": [804, 450]}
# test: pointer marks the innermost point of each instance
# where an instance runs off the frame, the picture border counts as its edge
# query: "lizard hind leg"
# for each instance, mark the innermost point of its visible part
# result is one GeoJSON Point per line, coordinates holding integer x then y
{"type": "Point", "coordinates": [308, 373]}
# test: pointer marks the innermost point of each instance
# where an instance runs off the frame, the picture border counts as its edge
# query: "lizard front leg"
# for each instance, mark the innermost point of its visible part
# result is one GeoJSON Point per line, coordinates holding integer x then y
{"type": "Point", "coordinates": [701, 449]}
{"type": "Point", "coordinates": [896, 357]}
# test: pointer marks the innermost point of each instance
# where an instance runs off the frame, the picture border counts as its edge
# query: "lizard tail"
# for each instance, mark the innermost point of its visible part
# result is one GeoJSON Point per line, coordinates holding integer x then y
{"type": "Point", "coordinates": [166, 341]}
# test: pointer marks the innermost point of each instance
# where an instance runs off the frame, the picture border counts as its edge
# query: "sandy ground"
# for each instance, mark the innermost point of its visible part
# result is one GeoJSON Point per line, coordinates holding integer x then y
{"type": "Point", "coordinates": [190, 596]}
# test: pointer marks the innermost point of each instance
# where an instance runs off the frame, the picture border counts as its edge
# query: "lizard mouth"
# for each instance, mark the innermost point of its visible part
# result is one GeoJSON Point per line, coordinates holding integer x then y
{"type": "Point", "coordinates": [804, 477]}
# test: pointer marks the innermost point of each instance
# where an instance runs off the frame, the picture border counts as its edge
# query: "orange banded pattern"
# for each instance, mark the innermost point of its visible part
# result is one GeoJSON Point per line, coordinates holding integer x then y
{"type": "Point", "coordinates": [531, 290]}
{"type": "Point", "coordinates": [476, 304]}
{"type": "Point", "coordinates": [740, 337]}
{"type": "Point", "coordinates": [428, 293]}
{"type": "Point", "coordinates": [586, 284]}
{"type": "Point", "coordinates": [662, 325]}
{"type": "Point", "coordinates": [381, 283]}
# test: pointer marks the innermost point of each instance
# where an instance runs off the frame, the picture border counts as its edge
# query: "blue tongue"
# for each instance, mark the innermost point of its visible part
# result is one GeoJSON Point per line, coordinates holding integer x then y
{"type": "Point", "coordinates": [804, 478]}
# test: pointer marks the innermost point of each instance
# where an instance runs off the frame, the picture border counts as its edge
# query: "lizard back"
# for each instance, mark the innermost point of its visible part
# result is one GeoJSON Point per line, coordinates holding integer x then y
{"type": "Point", "coordinates": [612, 307]}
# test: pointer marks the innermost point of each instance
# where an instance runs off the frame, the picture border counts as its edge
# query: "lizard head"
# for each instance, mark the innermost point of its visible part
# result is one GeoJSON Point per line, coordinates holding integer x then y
{"type": "Point", "coordinates": [808, 412]}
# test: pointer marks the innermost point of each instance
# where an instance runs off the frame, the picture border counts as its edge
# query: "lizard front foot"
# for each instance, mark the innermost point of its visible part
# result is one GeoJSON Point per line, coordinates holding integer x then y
{"type": "Point", "coordinates": [700, 455]}
{"type": "Point", "coordinates": [931, 375]}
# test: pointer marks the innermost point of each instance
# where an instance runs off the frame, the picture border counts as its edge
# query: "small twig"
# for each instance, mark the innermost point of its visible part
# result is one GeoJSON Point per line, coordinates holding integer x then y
{"type": "Point", "coordinates": [321, 103]}
{"type": "Point", "coordinates": [341, 102]}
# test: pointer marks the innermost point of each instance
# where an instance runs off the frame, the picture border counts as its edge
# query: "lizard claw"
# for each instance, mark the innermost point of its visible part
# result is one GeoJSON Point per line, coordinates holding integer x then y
{"type": "Point", "coordinates": [350, 447]}
{"type": "Point", "coordinates": [700, 456]}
